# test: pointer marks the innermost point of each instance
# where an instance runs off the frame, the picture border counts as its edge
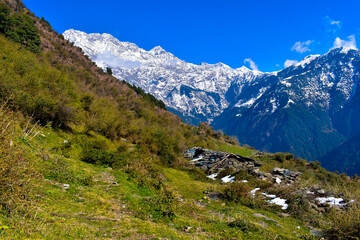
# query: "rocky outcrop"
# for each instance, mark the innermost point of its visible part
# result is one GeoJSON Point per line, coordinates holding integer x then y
{"type": "Point", "coordinates": [282, 175]}
{"type": "Point", "coordinates": [216, 161]}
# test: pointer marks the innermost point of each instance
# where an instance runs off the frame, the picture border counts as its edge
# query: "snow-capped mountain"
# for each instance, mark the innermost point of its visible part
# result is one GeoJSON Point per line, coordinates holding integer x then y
{"type": "Point", "coordinates": [309, 108]}
{"type": "Point", "coordinates": [197, 92]}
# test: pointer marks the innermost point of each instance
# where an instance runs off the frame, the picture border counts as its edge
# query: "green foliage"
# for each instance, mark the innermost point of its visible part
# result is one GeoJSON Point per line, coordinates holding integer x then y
{"type": "Point", "coordinates": [147, 96]}
{"type": "Point", "coordinates": [344, 225]}
{"type": "Point", "coordinates": [108, 71]}
{"type": "Point", "coordinates": [17, 172]}
{"type": "Point", "coordinates": [225, 172]}
{"type": "Point", "coordinates": [315, 165]}
{"type": "Point", "coordinates": [243, 175]}
{"type": "Point", "coordinates": [97, 152]}
{"type": "Point", "coordinates": [163, 206]}
{"type": "Point", "coordinates": [237, 192]}
{"type": "Point", "coordinates": [197, 174]}
{"type": "Point", "coordinates": [243, 225]}
{"type": "Point", "coordinates": [20, 28]}
{"type": "Point", "coordinates": [45, 23]}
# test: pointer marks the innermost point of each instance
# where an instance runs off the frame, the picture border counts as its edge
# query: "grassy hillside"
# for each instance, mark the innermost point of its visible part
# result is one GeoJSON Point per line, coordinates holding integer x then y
{"type": "Point", "coordinates": [84, 156]}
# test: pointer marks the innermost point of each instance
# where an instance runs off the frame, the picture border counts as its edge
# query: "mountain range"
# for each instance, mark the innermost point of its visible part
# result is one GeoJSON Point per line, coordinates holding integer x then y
{"type": "Point", "coordinates": [310, 108]}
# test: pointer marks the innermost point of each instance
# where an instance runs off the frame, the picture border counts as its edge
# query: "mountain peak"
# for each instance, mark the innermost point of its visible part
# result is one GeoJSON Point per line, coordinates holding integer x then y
{"type": "Point", "coordinates": [157, 50]}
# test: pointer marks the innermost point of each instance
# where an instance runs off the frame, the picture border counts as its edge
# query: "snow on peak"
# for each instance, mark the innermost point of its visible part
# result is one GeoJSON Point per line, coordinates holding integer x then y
{"type": "Point", "coordinates": [201, 91]}
{"type": "Point", "coordinates": [307, 60]}
{"type": "Point", "coordinates": [157, 50]}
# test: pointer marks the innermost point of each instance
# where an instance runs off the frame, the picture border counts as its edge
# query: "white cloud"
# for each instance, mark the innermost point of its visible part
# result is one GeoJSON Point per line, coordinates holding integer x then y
{"type": "Point", "coordinates": [336, 23]}
{"type": "Point", "coordinates": [115, 62]}
{"type": "Point", "coordinates": [302, 47]}
{"type": "Point", "coordinates": [332, 25]}
{"type": "Point", "coordinates": [289, 63]}
{"type": "Point", "coordinates": [351, 43]}
{"type": "Point", "coordinates": [252, 64]}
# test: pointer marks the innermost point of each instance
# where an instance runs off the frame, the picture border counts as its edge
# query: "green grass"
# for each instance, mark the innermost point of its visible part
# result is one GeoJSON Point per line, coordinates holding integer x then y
{"type": "Point", "coordinates": [243, 151]}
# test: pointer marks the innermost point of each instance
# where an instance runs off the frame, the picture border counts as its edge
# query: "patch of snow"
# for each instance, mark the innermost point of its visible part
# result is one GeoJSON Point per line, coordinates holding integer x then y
{"type": "Point", "coordinates": [227, 179]}
{"type": "Point", "coordinates": [247, 103]}
{"type": "Point", "coordinates": [251, 101]}
{"type": "Point", "coordinates": [197, 159]}
{"type": "Point", "coordinates": [286, 83]}
{"type": "Point", "coordinates": [307, 60]}
{"type": "Point", "coordinates": [276, 200]}
{"type": "Point", "coordinates": [347, 49]}
{"type": "Point", "coordinates": [269, 195]}
{"type": "Point", "coordinates": [277, 180]}
{"type": "Point", "coordinates": [213, 176]}
{"type": "Point", "coordinates": [274, 104]}
{"type": "Point", "coordinates": [244, 181]}
{"type": "Point", "coordinates": [280, 202]}
{"type": "Point", "coordinates": [289, 102]}
{"type": "Point", "coordinates": [333, 201]}
{"type": "Point", "coordinates": [252, 192]}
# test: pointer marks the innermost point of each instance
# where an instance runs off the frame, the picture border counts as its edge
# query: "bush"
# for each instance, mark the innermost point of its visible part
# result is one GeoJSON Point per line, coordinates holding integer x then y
{"type": "Point", "coordinates": [98, 156]}
{"type": "Point", "coordinates": [225, 172]}
{"type": "Point", "coordinates": [59, 170]}
{"type": "Point", "coordinates": [243, 225]}
{"type": "Point", "coordinates": [237, 192]}
{"type": "Point", "coordinates": [197, 174]}
{"type": "Point", "coordinates": [243, 175]}
{"type": "Point", "coordinates": [108, 71]}
{"type": "Point", "coordinates": [344, 224]}
{"type": "Point", "coordinates": [19, 28]}
{"type": "Point", "coordinates": [315, 165]}
{"type": "Point", "coordinates": [17, 170]}
{"type": "Point", "coordinates": [163, 206]}
{"type": "Point", "coordinates": [280, 157]}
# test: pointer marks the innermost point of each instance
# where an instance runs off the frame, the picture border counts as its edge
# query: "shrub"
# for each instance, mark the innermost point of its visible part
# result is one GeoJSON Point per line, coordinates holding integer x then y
{"type": "Point", "coordinates": [237, 192]}
{"type": "Point", "coordinates": [243, 225]}
{"type": "Point", "coordinates": [344, 224]}
{"type": "Point", "coordinates": [19, 28]}
{"type": "Point", "coordinates": [315, 165]}
{"type": "Point", "coordinates": [289, 156]}
{"type": "Point", "coordinates": [59, 169]}
{"type": "Point", "coordinates": [243, 175]}
{"type": "Point", "coordinates": [17, 171]}
{"type": "Point", "coordinates": [108, 71]}
{"type": "Point", "coordinates": [97, 156]}
{"type": "Point", "coordinates": [197, 174]}
{"type": "Point", "coordinates": [225, 172]}
{"type": "Point", "coordinates": [280, 157]}
{"type": "Point", "coordinates": [163, 206]}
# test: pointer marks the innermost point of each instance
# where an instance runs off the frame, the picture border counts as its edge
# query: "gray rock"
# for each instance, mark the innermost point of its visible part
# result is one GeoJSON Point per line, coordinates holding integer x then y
{"type": "Point", "coordinates": [316, 232]}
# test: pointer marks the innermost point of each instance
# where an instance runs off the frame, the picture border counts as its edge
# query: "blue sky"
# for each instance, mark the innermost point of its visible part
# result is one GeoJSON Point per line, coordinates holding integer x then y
{"type": "Point", "coordinates": [262, 34]}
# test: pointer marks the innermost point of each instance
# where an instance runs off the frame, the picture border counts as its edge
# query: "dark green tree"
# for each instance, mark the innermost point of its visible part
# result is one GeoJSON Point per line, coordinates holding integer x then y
{"type": "Point", "coordinates": [108, 71]}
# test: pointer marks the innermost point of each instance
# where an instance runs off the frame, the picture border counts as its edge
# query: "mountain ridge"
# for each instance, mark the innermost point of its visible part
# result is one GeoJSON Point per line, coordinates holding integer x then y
{"type": "Point", "coordinates": [145, 65]}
